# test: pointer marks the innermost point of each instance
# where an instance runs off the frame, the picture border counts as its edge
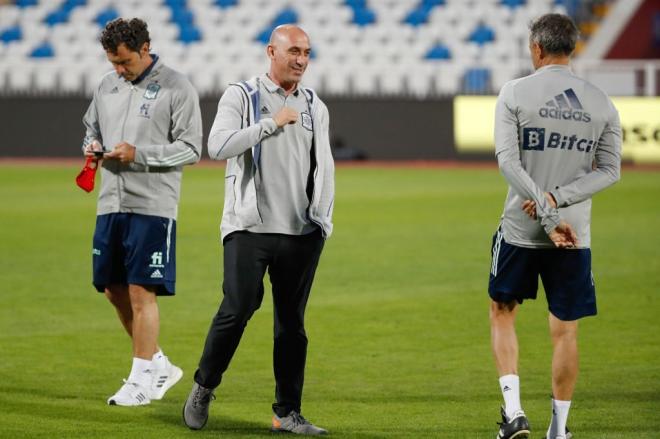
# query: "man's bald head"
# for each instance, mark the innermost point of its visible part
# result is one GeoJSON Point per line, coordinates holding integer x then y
{"type": "Point", "coordinates": [288, 51]}
{"type": "Point", "coordinates": [285, 33]}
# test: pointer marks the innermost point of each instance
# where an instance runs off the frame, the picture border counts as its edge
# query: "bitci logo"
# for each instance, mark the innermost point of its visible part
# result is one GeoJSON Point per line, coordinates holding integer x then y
{"type": "Point", "coordinates": [534, 139]}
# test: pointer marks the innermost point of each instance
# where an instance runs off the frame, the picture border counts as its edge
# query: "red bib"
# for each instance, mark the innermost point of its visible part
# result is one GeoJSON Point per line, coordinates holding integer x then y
{"type": "Point", "coordinates": [85, 180]}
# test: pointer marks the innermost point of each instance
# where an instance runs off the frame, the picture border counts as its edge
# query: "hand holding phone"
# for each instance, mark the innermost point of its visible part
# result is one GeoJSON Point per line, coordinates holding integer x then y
{"type": "Point", "coordinates": [95, 149]}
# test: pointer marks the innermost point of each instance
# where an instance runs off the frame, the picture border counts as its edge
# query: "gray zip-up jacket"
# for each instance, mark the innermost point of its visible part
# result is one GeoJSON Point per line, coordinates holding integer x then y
{"type": "Point", "coordinates": [160, 116]}
{"type": "Point", "coordinates": [557, 133]}
{"type": "Point", "coordinates": [240, 146]}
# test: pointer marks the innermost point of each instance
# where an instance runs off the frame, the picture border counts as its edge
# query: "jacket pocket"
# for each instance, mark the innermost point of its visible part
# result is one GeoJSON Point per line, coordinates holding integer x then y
{"type": "Point", "coordinates": [230, 195]}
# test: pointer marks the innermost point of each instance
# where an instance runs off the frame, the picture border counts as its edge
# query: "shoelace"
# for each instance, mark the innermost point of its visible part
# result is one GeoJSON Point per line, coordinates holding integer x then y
{"type": "Point", "coordinates": [129, 383]}
{"type": "Point", "coordinates": [299, 419]}
{"type": "Point", "coordinates": [201, 396]}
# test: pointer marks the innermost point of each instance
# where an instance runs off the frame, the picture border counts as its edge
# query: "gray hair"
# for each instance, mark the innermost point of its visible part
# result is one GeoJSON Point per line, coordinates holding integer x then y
{"type": "Point", "coordinates": [555, 33]}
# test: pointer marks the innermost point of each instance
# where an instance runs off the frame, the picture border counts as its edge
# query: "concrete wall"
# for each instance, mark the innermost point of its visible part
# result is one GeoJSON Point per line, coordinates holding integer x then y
{"type": "Point", "coordinates": [384, 129]}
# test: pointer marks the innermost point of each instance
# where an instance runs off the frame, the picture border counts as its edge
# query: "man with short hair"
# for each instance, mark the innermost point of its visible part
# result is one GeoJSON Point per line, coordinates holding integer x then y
{"type": "Point", "coordinates": [279, 193]}
{"type": "Point", "coordinates": [147, 116]}
{"type": "Point", "coordinates": [558, 142]}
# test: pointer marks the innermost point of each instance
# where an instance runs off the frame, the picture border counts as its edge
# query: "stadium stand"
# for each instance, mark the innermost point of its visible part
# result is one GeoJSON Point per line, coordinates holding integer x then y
{"type": "Point", "coordinates": [417, 48]}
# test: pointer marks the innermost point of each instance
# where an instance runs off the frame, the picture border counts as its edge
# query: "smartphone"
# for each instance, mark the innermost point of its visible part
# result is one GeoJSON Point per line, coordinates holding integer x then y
{"type": "Point", "coordinates": [99, 154]}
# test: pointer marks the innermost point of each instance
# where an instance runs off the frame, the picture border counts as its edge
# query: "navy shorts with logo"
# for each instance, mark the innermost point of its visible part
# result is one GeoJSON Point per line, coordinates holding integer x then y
{"type": "Point", "coordinates": [565, 273]}
{"type": "Point", "coordinates": [129, 248]}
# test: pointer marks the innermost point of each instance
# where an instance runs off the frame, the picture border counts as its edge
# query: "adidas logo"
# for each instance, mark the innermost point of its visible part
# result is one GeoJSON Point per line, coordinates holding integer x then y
{"type": "Point", "coordinates": [114, 90]}
{"type": "Point", "coordinates": [506, 389]}
{"type": "Point", "coordinates": [156, 275]}
{"type": "Point", "coordinates": [265, 110]}
{"type": "Point", "coordinates": [565, 106]}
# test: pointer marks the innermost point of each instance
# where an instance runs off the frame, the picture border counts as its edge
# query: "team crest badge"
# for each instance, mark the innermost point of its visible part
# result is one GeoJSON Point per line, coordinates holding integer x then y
{"type": "Point", "coordinates": [152, 91]}
{"type": "Point", "coordinates": [307, 121]}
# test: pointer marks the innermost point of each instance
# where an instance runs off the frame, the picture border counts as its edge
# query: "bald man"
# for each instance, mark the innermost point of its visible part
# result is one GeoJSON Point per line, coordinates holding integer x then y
{"type": "Point", "coordinates": [279, 194]}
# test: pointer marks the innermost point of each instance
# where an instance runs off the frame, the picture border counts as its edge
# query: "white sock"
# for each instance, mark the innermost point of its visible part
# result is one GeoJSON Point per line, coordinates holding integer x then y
{"type": "Point", "coordinates": [510, 385]}
{"type": "Point", "coordinates": [559, 417]}
{"type": "Point", "coordinates": [140, 372]}
{"type": "Point", "coordinates": [159, 360]}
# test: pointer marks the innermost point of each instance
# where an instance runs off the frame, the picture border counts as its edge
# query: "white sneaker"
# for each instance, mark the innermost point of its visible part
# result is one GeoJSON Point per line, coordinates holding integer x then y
{"type": "Point", "coordinates": [130, 394]}
{"type": "Point", "coordinates": [163, 379]}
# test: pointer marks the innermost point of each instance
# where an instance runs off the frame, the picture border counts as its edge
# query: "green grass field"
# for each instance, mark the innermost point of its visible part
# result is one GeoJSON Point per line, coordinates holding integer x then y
{"type": "Point", "coordinates": [397, 321]}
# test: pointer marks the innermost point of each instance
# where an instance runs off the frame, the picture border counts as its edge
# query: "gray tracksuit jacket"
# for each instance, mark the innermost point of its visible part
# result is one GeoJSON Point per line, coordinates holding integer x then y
{"type": "Point", "coordinates": [160, 116]}
{"type": "Point", "coordinates": [240, 130]}
{"type": "Point", "coordinates": [557, 133]}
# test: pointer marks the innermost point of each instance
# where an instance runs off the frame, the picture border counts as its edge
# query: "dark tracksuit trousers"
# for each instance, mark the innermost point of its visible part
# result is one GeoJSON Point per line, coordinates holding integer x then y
{"type": "Point", "coordinates": [291, 262]}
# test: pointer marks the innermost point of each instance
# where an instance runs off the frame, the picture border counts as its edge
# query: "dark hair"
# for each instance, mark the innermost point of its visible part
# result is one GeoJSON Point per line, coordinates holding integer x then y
{"type": "Point", "coordinates": [555, 33]}
{"type": "Point", "coordinates": [132, 33]}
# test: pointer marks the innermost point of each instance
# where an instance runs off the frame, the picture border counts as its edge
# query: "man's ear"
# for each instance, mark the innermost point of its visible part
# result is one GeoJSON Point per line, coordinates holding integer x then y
{"type": "Point", "coordinates": [144, 50]}
{"type": "Point", "coordinates": [538, 50]}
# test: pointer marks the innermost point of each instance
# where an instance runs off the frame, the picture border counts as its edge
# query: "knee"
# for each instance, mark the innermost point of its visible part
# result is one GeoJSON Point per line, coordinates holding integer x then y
{"type": "Point", "coordinates": [142, 299]}
{"type": "Point", "coordinates": [502, 311]}
{"type": "Point", "coordinates": [234, 317]}
{"type": "Point", "coordinates": [292, 329]}
{"type": "Point", "coordinates": [564, 332]}
{"type": "Point", "coordinates": [117, 298]}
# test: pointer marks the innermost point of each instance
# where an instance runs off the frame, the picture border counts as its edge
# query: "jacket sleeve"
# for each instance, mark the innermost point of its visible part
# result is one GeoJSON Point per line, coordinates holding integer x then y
{"type": "Point", "coordinates": [607, 160]}
{"type": "Point", "coordinates": [328, 195]}
{"type": "Point", "coordinates": [229, 135]}
{"type": "Point", "coordinates": [508, 158]}
{"type": "Point", "coordinates": [91, 122]}
{"type": "Point", "coordinates": [185, 130]}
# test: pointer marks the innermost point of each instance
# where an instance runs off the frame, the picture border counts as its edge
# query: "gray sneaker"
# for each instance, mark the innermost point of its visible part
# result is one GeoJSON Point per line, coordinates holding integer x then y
{"type": "Point", "coordinates": [295, 423]}
{"type": "Point", "coordinates": [196, 409]}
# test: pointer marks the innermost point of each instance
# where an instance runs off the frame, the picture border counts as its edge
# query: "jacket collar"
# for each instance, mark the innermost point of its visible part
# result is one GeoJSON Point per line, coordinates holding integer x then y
{"type": "Point", "coordinates": [148, 70]}
{"type": "Point", "coordinates": [274, 88]}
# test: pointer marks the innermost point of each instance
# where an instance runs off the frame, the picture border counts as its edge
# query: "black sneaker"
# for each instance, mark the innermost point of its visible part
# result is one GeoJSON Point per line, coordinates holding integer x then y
{"type": "Point", "coordinates": [567, 435]}
{"type": "Point", "coordinates": [517, 427]}
{"type": "Point", "coordinates": [294, 422]}
{"type": "Point", "coordinates": [196, 409]}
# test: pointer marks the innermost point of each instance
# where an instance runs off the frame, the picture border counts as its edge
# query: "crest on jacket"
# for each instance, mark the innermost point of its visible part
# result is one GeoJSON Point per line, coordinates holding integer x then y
{"type": "Point", "coordinates": [152, 91]}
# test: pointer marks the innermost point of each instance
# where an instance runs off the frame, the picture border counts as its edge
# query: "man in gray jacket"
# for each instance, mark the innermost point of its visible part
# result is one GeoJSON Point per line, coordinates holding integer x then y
{"type": "Point", "coordinates": [279, 193]}
{"type": "Point", "coordinates": [145, 122]}
{"type": "Point", "coordinates": [558, 142]}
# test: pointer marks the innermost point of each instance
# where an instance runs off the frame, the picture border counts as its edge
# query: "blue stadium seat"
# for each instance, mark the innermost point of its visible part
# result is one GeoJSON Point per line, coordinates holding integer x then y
{"type": "Point", "coordinates": [69, 5]}
{"type": "Point", "coordinates": [11, 34]}
{"type": "Point", "coordinates": [182, 16]}
{"type": "Point", "coordinates": [285, 16]}
{"type": "Point", "coordinates": [356, 4]}
{"type": "Point", "coordinates": [106, 16]}
{"type": "Point", "coordinates": [189, 34]}
{"type": "Point", "coordinates": [56, 17]}
{"type": "Point", "coordinates": [418, 16]}
{"type": "Point", "coordinates": [438, 52]}
{"type": "Point", "coordinates": [44, 50]}
{"type": "Point", "coordinates": [513, 3]}
{"type": "Point", "coordinates": [26, 3]}
{"type": "Point", "coordinates": [175, 3]}
{"type": "Point", "coordinates": [476, 81]}
{"type": "Point", "coordinates": [226, 3]}
{"type": "Point", "coordinates": [482, 34]}
{"type": "Point", "coordinates": [364, 17]}
{"type": "Point", "coordinates": [264, 36]}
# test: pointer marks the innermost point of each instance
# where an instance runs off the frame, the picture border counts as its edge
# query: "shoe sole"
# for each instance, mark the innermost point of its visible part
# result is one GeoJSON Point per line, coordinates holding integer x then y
{"type": "Point", "coordinates": [522, 434]}
{"type": "Point", "coordinates": [282, 431]}
{"type": "Point", "coordinates": [113, 402]}
{"type": "Point", "coordinates": [169, 383]}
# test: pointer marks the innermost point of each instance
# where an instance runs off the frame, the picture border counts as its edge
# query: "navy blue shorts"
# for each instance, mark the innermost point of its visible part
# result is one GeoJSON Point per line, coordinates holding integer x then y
{"type": "Point", "coordinates": [134, 249]}
{"type": "Point", "coordinates": [565, 273]}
